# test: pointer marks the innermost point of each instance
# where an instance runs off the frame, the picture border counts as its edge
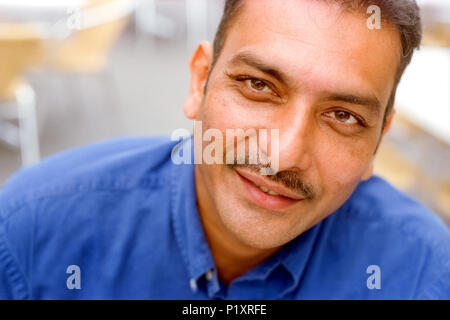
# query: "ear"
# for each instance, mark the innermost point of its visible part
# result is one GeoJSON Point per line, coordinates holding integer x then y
{"type": "Point", "coordinates": [369, 171]}
{"type": "Point", "coordinates": [200, 64]}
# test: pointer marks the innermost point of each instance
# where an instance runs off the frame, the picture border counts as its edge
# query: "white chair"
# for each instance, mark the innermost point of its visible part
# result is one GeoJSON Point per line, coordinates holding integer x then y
{"type": "Point", "coordinates": [20, 47]}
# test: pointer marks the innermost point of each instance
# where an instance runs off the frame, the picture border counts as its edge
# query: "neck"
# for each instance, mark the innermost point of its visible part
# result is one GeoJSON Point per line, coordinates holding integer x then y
{"type": "Point", "coordinates": [232, 257]}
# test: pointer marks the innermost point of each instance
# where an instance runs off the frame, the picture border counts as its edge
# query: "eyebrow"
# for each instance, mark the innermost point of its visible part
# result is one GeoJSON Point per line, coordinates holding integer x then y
{"type": "Point", "coordinates": [370, 101]}
{"type": "Point", "coordinates": [254, 61]}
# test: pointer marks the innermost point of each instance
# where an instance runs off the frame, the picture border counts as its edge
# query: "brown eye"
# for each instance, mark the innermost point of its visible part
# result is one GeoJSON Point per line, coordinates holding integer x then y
{"type": "Point", "coordinates": [258, 85]}
{"type": "Point", "coordinates": [343, 117]}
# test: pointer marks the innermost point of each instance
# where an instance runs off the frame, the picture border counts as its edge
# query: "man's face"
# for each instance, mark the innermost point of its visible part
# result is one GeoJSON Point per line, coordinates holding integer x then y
{"type": "Point", "coordinates": [321, 77]}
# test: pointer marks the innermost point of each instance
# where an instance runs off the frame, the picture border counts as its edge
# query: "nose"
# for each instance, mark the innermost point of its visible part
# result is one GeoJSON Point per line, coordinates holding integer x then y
{"type": "Point", "coordinates": [296, 136]}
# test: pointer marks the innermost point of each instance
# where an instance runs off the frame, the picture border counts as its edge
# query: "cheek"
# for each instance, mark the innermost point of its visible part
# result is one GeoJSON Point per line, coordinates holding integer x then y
{"type": "Point", "coordinates": [215, 113]}
{"type": "Point", "coordinates": [342, 163]}
{"type": "Point", "coordinates": [226, 109]}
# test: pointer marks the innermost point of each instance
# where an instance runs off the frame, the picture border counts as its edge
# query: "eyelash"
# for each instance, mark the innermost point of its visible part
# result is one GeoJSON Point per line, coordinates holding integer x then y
{"type": "Point", "coordinates": [242, 78]}
{"type": "Point", "coordinates": [360, 121]}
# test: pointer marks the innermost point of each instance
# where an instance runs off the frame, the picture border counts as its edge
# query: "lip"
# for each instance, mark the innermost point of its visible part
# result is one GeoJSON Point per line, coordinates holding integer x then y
{"type": "Point", "coordinates": [251, 181]}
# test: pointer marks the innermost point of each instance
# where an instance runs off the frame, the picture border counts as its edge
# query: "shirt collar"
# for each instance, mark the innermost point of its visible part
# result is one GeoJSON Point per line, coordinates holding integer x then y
{"type": "Point", "coordinates": [296, 254]}
{"type": "Point", "coordinates": [294, 257]}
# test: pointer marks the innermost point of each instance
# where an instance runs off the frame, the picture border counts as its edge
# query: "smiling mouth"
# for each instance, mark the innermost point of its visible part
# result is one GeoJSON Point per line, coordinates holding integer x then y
{"type": "Point", "coordinates": [266, 194]}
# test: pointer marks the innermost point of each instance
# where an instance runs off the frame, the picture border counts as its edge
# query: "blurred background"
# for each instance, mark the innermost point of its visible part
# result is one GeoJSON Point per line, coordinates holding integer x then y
{"type": "Point", "coordinates": [74, 72]}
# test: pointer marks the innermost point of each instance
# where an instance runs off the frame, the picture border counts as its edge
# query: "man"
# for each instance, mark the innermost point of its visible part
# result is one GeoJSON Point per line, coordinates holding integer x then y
{"type": "Point", "coordinates": [123, 219]}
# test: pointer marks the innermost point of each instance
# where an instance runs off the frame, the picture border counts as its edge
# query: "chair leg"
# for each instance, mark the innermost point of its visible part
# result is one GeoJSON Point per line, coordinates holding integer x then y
{"type": "Point", "coordinates": [28, 132]}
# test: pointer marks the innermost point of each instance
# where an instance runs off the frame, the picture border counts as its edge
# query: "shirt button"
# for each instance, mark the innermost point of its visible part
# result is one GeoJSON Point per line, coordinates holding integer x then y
{"type": "Point", "coordinates": [193, 285]}
{"type": "Point", "coordinates": [209, 275]}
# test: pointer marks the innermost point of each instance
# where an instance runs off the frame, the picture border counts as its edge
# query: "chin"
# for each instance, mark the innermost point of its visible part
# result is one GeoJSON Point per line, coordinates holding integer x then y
{"type": "Point", "coordinates": [256, 228]}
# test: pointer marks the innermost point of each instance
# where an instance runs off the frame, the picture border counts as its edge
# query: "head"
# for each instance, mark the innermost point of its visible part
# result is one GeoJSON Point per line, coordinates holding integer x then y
{"type": "Point", "coordinates": [313, 70]}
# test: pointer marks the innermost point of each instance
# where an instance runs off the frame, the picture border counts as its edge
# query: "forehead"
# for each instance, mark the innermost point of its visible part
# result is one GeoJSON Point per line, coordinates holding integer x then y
{"type": "Point", "coordinates": [317, 44]}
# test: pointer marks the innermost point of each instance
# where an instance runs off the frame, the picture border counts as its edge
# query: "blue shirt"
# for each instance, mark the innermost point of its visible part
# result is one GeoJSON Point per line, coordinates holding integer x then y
{"type": "Point", "coordinates": [125, 215]}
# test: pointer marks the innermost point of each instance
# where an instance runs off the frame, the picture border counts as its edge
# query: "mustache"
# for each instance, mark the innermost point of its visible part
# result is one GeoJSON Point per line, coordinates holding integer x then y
{"type": "Point", "coordinates": [292, 180]}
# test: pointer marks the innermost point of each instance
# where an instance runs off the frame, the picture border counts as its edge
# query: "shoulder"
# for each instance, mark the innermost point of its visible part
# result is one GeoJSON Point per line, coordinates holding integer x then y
{"type": "Point", "coordinates": [380, 202]}
{"type": "Point", "coordinates": [78, 183]}
{"type": "Point", "coordinates": [120, 161]}
{"type": "Point", "coordinates": [410, 240]}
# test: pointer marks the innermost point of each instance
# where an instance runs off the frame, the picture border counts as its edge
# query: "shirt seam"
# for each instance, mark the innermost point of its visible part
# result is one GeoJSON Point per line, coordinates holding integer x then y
{"type": "Point", "coordinates": [428, 292]}
{"type": "Point", "coordinates": [173, 198]}
{"type": "Point", "coordinates": [50, 192]}
{"type": "Point", "coordinates": [14, 272]}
